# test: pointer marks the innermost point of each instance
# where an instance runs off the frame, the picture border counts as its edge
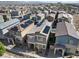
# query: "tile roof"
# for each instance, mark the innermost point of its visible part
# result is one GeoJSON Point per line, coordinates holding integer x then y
{"type": "Point", "coordinates": [65, 28]}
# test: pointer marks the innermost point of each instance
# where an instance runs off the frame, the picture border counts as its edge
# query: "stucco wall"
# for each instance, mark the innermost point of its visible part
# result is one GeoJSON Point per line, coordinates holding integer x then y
{"type": "Point", "coordinates": [71, 43]}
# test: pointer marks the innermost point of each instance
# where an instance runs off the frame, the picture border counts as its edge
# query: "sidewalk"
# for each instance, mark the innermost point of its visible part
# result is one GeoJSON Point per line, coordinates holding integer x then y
{"type": "Point", "coordinates": [22, 52]}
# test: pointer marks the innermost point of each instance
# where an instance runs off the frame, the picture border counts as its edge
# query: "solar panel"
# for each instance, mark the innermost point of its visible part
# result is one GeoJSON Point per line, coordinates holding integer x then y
{"type": "Point", "coordinates": [38, 18]}
{"type": "Point", "coordinates": [26, 17]}
{"type": "Point", "coordinates": [14, 29]}
{"type": "Point", "coordinates": [29, 14]}
{"type": "Point", "coordinates": [23, 26]}
{"type": "Point", "coordinates": [26, 24]}
{"type": "Point", "coordinates": [39, 24]}
{"type": "Point", "coordinates": [29, 21]}
{"type": "Point", "coordinates": [34, 18]}
{"type": "Point", "coordinates": [46, 30]}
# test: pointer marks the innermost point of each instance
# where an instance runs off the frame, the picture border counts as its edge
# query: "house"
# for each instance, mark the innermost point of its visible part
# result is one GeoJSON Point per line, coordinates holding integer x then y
{"type": "Point", "coordinates": [69, 17]}
{"type": "Point", "coordinates": [15, 30]}
{"type": "Point", "coordinates": [41, 15]}
{"type": "Point", "coordinates": [51, 16]}
{"type": "Point", "coordinates": [20, 31]}
{"type": "Point", "coordinates": [66, 38]}
{"type": "Point", "coordinates": [1, 19]}
{"type": "Point", "coordinates": [62, 16]}
{"type": "Point", "coordinates": [38, 19]}
{"type": "Point", "coordinates": [5, 28]}
{"type": "Point", "coordinates": [38, 37]}
{"type": "Point", "coordinates": [4, 16]}
{"type": "Point", "coordinates": [27, 16]}
{"type": "Point", "coordinates": [14, 13]}
{"type": "Point", "coordinates": [46, 12]}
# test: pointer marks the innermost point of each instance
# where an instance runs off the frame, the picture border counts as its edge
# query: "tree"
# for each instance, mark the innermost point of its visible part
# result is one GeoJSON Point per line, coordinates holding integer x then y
{"type": "Point", "coordinates": [2, 49]}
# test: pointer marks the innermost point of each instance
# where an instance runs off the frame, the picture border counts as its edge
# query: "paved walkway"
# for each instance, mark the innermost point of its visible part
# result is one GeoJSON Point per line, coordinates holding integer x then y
{"type": "Point", "coordinates": [22, 51]}
{"type": "Point", "coordinates": [11, 55]}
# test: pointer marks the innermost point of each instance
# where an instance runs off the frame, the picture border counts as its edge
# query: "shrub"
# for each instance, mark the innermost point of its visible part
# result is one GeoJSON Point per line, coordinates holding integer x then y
{"type": "Point", "coordinates": [2, 49]}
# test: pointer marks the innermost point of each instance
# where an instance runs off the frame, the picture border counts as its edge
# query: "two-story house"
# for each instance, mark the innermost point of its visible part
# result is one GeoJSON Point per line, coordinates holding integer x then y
{"type": "Point", "coordinates": [66, 38]}
{"type": "Point", "coordinates": [5, 30]}
{"type": "Point", "coordinates": [38, 37]}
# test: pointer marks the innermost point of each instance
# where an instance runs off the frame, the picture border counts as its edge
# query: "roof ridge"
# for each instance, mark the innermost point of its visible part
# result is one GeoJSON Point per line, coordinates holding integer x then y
{"type": "Point", "coordinates": [66, 27]}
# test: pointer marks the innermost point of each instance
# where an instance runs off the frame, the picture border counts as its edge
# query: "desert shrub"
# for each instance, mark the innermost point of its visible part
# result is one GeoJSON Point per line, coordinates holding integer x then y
{"type": "Point", "coordinates": [2, 49]}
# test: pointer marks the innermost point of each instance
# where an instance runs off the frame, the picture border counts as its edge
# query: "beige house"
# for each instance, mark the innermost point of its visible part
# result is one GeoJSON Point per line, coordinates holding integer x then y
{"type": "Point", "coordinates": [20, 31]}
{"type": "Point", "coordinates": [38, 37]}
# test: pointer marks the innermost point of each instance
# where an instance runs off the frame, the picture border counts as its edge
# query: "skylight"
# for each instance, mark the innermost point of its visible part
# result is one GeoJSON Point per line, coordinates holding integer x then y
{"type": "Point", "coordinates": [46, 30]}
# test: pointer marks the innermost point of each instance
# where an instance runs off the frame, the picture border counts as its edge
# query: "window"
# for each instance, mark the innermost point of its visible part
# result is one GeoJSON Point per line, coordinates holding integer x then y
{"type": "Point", "coordinates": [41, 39]}
{"type": "Point", "coordinates": [44, 46]}
{"type": "Point", "coordinates": [73, 41]}
{"type": "Point", "coordinates": [17, 40]}
{"type": "Point", "coordinates": [62, 40]}
{"type": "Point", "coordinates": [31, 38]}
